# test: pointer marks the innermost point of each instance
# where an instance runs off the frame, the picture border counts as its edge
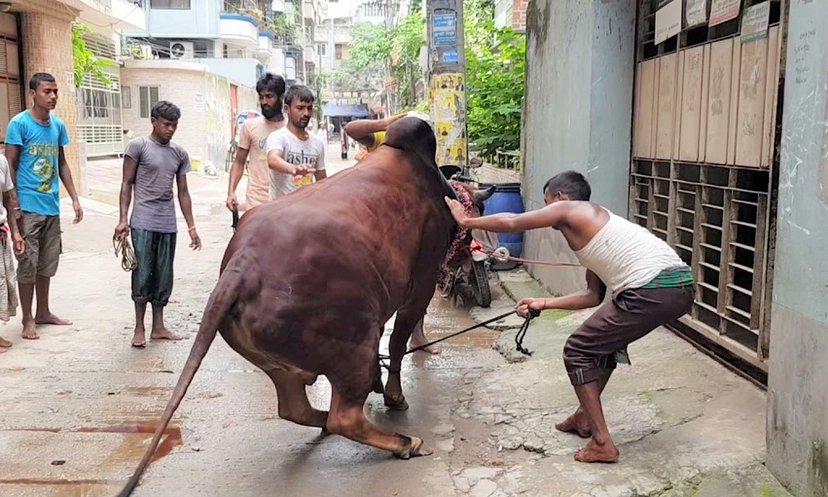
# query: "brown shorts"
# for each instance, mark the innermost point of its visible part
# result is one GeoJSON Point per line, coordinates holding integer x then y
{"type": "Point", "coordinates": [43, 247]}
{"type": "Point", "coordinates": [589, 353]}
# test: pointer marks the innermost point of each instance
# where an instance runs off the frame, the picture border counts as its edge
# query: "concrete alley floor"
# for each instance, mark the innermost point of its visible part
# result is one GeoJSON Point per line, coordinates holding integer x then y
{"type": "Point", "coordinates": [78, 406]}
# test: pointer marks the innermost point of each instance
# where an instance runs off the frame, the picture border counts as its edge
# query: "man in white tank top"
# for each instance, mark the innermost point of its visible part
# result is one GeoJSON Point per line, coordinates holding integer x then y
{"type": "Point", "coordinates": [650, 286]}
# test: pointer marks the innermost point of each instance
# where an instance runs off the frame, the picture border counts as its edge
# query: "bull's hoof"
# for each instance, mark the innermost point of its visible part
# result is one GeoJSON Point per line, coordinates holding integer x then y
{"type": "Point", "coordinates": [395, 402]}
{"type": "Point", "coordinates": [416, 449]}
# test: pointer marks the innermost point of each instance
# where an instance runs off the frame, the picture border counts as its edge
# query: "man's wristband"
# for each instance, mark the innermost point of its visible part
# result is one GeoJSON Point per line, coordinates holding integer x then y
{"type": "Point", "coordinates": [191, 229]}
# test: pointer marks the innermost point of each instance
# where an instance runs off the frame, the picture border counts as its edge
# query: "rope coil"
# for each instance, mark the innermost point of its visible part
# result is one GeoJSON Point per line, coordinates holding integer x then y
{"type": "Point", "coordinates": [124, 250]}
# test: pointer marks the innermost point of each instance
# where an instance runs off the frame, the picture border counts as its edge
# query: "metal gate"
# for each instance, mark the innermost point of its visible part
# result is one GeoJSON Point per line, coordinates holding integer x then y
{"type": "Point", "coordinates": [704, 165]}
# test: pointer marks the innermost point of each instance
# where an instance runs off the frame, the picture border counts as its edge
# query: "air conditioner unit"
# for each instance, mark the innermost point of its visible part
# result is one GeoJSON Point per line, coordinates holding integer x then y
{"type": "Point", "coordinates": [181, 50]}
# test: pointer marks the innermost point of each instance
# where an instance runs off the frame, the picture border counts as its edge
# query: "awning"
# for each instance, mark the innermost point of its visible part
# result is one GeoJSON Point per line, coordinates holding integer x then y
{"type": "Point", "coordinates": [345, 110]}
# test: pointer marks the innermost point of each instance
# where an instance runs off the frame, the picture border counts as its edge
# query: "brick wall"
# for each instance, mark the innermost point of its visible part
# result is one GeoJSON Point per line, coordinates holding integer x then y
{"type": "Point", "coordinates": [519, 15]}
{"type": "Point", "coordinates": [47, 47]}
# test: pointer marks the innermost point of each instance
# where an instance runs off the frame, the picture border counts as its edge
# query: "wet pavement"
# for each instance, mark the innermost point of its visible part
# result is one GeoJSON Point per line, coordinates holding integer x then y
{"type": "Point", "coordinates": [78, 406]}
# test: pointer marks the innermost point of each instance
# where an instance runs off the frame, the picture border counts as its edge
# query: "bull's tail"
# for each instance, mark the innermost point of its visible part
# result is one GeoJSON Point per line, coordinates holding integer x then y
{"type": "Point", "coordinates": [218, 305]}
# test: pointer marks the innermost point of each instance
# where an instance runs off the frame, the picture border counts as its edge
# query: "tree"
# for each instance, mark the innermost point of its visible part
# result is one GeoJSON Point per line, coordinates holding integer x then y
{"type": "Point", "coordinates": [406, 41]}
{"type": "Point", "coordinates": [85, 61]}
{"type": "Point", "coordinates": [495, 79]}
{"type": "Point", "coordinates": [376, 52]}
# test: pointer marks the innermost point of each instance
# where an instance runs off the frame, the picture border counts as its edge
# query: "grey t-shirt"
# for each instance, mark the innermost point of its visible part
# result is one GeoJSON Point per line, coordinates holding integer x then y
{"type": "Point", "coordinates": [157, 166]}
{"type": "Point", "coordinates": [310, 152]}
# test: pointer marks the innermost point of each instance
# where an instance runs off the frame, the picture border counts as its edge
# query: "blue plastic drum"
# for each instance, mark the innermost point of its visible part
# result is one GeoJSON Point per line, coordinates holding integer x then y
{"type": "Point", "coordinates": [506, 198]}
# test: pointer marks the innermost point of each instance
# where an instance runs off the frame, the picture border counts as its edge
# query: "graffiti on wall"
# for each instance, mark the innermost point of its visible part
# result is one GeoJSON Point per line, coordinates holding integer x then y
{"type": "Point", "coordinates": [448, 95]}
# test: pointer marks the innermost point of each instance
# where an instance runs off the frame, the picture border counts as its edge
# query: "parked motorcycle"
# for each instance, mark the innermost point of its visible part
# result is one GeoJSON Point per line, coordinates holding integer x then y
{"type": "Point", "coordinates": [466, 276]}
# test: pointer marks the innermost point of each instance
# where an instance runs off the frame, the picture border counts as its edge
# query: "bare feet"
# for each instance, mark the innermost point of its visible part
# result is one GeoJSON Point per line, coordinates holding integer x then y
{"type": "Point", "coordinates": [29, 331]}
{"type": "Point", "coordinates": [51, 319]}
{"type": "Point", "coordinates": [164, 334]}
{"type": "Point", "coordinates": [576, 423]}
{"type": "Point", "coordinates": [139, 340]}
{"type": "Point", "coordinates": [595, 452]}
{"type": "Point", "coordinates": [4, 344]}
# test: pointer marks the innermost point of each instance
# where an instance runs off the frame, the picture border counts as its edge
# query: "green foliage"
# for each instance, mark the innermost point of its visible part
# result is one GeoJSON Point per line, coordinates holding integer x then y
{"type": "Point", "coordinates": [85, 61]}
{"type": "Point", "coordinates": [283, 29]}
{"type": "Point", "coordinates": [376, 51]}
{"type": "Point", "coordinates": [407, 40]}
{"type": "Point", "coordinates": [495, 80]}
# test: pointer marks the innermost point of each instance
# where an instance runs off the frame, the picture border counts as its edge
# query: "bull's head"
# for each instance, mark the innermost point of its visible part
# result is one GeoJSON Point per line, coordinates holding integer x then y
{"type": "Point", "coordinates": [478, 197]}
{"type": "Point", "coordinates": [458, 263]}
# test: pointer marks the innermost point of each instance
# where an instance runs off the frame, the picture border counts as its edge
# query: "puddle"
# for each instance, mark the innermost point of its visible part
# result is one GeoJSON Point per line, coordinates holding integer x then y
{"type": "Point", "coordinates": [172, 435]}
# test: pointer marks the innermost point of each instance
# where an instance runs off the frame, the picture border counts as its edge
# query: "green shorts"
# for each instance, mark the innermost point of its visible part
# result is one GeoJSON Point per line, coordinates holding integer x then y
{"type": "Point", "coordinates": [43, 247]}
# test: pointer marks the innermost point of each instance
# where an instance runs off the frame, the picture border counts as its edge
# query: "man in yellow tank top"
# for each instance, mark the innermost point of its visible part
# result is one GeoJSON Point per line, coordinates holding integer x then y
{"type": "Point", "coordinates": [650, 286]}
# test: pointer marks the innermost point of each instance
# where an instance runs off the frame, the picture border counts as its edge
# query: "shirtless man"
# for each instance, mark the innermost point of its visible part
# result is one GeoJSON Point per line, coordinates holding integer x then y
{"type": "Point", "coordinates": [650, 286]}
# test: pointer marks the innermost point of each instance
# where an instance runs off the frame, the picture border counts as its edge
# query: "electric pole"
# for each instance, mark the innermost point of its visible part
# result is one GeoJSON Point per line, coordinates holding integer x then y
{"type": "Point", "coordinates": [447, 79]}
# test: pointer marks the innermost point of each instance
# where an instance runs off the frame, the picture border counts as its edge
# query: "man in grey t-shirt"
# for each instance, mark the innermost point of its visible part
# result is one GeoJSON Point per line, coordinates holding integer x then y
{"type": "Point", "coordinates": [294, 156]}
{"type": "Point", "coordinates": [151, 164]}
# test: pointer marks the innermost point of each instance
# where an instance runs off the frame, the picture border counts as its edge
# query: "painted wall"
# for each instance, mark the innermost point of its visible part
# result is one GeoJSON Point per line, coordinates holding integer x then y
{"type": "Point", "coordinates": [797, 424]}
{"type": "Point", "coordinates": [205, 128]}
{"type": "Point", "coordinates": [200, 21]}
{"type": "Point", "coordinates": [242, 70]}
{"type": "Point", "coordinates": [577, 112]}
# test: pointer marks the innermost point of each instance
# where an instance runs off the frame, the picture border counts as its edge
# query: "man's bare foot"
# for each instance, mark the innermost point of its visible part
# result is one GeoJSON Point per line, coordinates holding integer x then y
{"type": "Point", "coordinates": [576, 423]}
{"type": "Point", "coordinates": [139, 340]}
{"type": "Point", "coordinates": [29, 331]}
{"type": "Point", "coordinates": [4, 344]}
{"type": "Point", "coordinates": [164, 334]}
{"type": "Point", "coordinates": [593, 452]}
{"type": "Point", "coordinates": [52, 319]}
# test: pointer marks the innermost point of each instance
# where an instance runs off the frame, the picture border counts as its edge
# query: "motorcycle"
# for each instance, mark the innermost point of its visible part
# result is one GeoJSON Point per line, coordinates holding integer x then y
{"type": "Point", "coordinates": [466, 276]}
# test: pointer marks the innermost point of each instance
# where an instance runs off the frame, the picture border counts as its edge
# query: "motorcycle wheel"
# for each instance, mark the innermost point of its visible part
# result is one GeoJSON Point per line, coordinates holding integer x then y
{"type": "Point", "coordinates": [482, 291]}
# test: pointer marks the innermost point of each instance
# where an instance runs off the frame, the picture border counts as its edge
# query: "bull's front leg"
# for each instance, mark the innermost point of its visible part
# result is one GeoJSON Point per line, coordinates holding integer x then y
{"type": "Point", "coordinates": [397, 345]}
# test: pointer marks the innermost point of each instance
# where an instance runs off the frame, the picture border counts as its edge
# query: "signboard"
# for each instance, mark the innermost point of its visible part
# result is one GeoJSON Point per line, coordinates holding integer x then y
{"type": "Point", "coordinates": [695, 11]}
{"type": "Point", "coordinates": [668, 20]}
{"type": "Point", "coordinates": [451, 57]}
{"type": "Point", "coordinates": [723, 11]}
{"type": "Point", "coordinates": [755, 22]}
{"type": "Point", "coordinates": [445, 28]}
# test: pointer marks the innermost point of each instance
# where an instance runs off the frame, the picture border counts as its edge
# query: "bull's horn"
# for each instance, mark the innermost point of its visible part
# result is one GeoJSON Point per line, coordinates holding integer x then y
{"type": "Point", "coordinates": [481, 195]}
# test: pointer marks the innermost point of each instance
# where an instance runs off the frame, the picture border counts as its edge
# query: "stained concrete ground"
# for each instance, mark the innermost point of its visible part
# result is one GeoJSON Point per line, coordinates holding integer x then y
{"type": "Point", "coordinates": [76, 406]}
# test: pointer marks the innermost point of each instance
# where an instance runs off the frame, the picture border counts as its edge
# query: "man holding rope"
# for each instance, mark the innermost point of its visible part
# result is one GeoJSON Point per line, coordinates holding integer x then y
{"type": "Point", "coordinates": [150, 165]}
{"type": "Point", "coordinates": [650, 286]}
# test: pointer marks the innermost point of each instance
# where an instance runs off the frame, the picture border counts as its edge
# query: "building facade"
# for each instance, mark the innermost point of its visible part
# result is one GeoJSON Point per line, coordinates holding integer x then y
{"type": "Point", "coordinates": [36, 36]}
{"type": "Point", "coordinates": [709, 132]}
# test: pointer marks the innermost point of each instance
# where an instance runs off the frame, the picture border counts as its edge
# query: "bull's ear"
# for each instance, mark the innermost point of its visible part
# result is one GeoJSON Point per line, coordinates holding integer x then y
{"type": "Point", "coordinates": [482, 195]}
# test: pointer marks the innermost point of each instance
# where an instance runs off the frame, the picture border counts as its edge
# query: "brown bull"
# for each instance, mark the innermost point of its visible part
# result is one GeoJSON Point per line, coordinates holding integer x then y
{"type": "Point", "coordinates": [308, 280]}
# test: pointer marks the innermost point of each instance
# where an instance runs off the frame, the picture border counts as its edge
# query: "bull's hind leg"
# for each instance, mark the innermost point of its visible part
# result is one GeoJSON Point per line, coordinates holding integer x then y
{"type": "Point", "coordinates": [293, 400]}
{"type": "Point", "coordinates": [347, 418]}
{"type": "Point", "coordinates": [397, 344]}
